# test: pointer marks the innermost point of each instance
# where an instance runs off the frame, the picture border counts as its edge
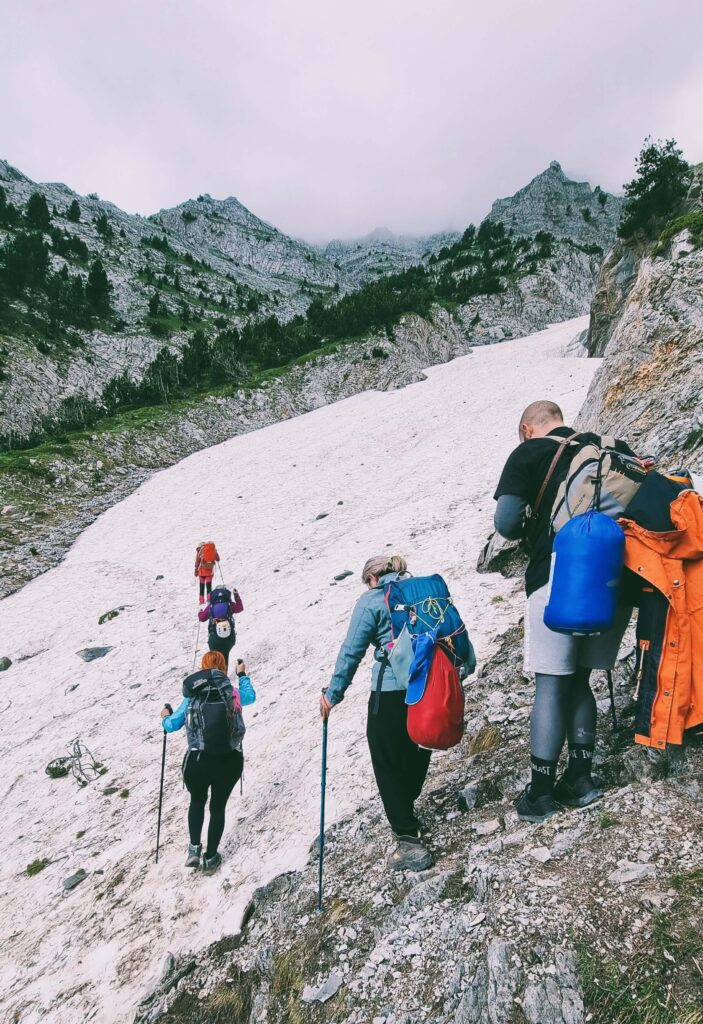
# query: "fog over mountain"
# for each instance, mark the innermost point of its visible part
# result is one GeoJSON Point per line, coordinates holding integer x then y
{"type": "Point", "coordinates": [331, 119]}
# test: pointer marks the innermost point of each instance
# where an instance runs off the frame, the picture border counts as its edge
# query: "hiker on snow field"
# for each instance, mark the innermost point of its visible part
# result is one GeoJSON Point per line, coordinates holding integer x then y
{"type": "Point", "coordinates": [211, 711]}
{"type": "Point", "coordinates": [219, 614]}
{"type": "Point", "coordinates": [399, 765]}
{"type": "Point", "coordinates": [564, 706]}
{"type": "Point", "coordinates": [205, 558]}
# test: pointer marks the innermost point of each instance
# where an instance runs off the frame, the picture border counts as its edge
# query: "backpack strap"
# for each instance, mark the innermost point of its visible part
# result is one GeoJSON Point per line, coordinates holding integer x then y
{"type": "Point", "coordinates": [562, 444]}
{"type": "Point", "coordinates": [379, 684]}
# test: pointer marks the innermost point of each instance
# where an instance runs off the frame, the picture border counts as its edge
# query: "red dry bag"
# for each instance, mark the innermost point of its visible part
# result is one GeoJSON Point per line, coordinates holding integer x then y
{"type": "Point", "coordinates": [437, 720]}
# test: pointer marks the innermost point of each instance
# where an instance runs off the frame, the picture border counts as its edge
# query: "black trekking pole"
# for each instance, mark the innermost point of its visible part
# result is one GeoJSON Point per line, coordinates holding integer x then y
{"type": "Point", "coordinates": [611, 691]}
{"type": "Point", "coordinates": [161, 786]}
{"type": "Point", "coordinates": [322, 815]}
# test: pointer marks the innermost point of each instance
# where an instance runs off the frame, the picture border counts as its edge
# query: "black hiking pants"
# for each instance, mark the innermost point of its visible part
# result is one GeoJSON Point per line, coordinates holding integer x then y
{"type": "Point", "coordinates": [205, 584]}
{"type": "Point", "coordinates": [218, 773]}
{"type": "Point", "coordinates": [400, 766]}
{"type": "Point", "coordinates": [223, 644]}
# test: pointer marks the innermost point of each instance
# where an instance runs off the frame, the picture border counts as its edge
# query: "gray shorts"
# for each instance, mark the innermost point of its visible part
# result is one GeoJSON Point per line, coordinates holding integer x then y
{"type": "Point", "coordinates": [557, 654]}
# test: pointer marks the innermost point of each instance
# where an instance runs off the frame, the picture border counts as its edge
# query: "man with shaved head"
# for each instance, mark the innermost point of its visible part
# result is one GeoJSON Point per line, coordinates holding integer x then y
{"type": "Point", "coordinates": [564, 706]}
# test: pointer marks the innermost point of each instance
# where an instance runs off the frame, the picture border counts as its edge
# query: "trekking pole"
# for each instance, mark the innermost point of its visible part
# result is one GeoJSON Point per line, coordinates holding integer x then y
{"type": "Point", "coordinates": [161, 786]}
{"type": "Point", "coordinates": [322, 815]}
{"type": "Point", "coordinates": [611, 691]}
{"type": "Point", "coordinates": [195, 652]}
{"type": "Point", "coordinates": [221, 574]}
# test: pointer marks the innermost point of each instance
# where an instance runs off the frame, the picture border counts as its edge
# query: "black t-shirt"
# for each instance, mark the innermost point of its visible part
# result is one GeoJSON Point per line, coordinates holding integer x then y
{"type": "Point", "coordinates": [524, 474]}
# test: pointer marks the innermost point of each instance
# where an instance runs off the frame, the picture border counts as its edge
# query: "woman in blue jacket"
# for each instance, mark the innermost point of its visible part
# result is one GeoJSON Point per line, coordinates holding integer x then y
{"type": "Point", "coordinates": [207, 771]}
{"type": "Point", "coordinates": [399, 765]}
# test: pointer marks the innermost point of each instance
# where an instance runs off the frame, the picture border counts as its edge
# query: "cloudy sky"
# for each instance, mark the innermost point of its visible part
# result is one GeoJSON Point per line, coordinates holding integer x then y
{"type": "Point", "coordinates": [330, 117]}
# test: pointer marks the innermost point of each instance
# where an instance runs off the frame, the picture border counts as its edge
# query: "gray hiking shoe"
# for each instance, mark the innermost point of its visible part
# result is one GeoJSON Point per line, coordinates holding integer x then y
{"type": "Point", "coordinates": [410, 854]}
{"type": "Point", "coordinates": [194, 853]}
{"type": "Point", "coordinates": [579, 793]}
{"type": "Point", "coordinates": [211, 864]}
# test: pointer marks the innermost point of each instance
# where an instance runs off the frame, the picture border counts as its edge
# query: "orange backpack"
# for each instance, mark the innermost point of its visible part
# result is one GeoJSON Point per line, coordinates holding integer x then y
{"type": "Point", "coordinates": [208, 555]}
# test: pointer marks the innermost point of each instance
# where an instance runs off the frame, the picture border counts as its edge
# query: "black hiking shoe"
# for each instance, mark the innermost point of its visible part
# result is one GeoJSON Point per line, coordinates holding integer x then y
{"type": "Point", "coordinates": [539, 809]}
{"type": "Point", "coordinates": [410, 854]}
{"type": "Point", "coordinates": [579, 793]}
{"type": "Point", "coordinates": [211, 864]}
{"type": "Point", "coordinates": [194, 853]}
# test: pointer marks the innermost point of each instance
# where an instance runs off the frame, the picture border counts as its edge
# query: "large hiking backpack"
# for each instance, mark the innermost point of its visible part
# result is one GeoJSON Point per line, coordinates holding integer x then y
{"type": "Point", "coordinates": [221, 620]}
{"type": "Point", "coordinates": [423, 604]}
{"type": "Point", "coordinates": [212, 724]}
{"type": "Point", "coordinates": [599, 477]}
{"type": "Point", "coordinates": [208, 555]}
{"type": "Point", "coordinates": [422, 608]}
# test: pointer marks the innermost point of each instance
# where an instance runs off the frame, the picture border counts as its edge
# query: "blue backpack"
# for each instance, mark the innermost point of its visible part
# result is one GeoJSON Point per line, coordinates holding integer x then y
{"type": "Point", "coordinates": [423, 604]}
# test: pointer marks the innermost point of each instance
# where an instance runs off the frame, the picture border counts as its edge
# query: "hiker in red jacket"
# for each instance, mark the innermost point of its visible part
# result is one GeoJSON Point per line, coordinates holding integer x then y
{"type": "Point", "coordinates": [205, 558]}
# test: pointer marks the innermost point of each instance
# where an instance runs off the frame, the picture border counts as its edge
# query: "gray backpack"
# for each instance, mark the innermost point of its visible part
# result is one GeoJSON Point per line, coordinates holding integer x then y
{"type": "Point", "coordinates": [213, 724]}
{"type": "Point", "coordinates": [599, 477]}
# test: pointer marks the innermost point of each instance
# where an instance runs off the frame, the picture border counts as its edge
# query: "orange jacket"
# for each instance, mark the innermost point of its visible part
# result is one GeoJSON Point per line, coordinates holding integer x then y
{"type": "Point", "coordinates": [672, 563]}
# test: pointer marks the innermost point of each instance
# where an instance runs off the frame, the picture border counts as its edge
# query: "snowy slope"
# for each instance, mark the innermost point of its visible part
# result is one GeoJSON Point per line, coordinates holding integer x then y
{"type": "Point", "coordinates": [409, 471]}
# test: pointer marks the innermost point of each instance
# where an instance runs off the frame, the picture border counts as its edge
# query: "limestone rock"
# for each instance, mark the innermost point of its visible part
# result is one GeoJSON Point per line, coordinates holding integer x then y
{"type": "Point", "coordinates": [5, 664]}
{"type": "Point", "coordinates": [324, 991]}
{"type": "Point", "coordinates": [93, 653]}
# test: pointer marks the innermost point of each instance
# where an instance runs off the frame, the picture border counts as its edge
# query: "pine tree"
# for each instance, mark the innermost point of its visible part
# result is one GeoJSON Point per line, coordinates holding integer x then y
{"type": "Point", "coordinates": [26, 260]}
{"type": "Point", "coordinates": [654, 195]}
{"type": "Point", "coordinates": [73, 213]}
{"type": "Point", "coordinates": [98, 288]}
{"type": "Point", "coordinates": [37, 212]}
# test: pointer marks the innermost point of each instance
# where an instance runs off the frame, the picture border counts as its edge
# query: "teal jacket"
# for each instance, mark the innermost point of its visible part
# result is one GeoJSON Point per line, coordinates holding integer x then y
{"type": "Point", "coordinates": [370, 625]}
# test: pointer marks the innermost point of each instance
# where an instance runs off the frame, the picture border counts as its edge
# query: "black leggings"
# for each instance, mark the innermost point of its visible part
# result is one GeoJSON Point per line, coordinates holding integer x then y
{"type": "Point", "coordinates": [223, 644]}
{"type": "Point", "coordinates": [218, 773]}
{"type": "Point", "coordinates": [203, 585]}
{"type": "Point", "coordinates": [400, 766]}
{"type": "Point", "coordinates": [564, 708]}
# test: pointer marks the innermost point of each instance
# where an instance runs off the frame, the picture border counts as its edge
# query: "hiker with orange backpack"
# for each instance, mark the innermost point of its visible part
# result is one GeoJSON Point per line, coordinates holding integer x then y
{"type": "Point", "coordinates": [399, 762]}
{"type": "Point", "coordinates": [206, 557]}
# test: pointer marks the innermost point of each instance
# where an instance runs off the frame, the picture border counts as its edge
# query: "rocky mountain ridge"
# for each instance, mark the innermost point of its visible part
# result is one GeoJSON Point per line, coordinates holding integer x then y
{"type": "Point", "coordinates": [568, 209]}
{"type": "Point", "coordinates": [382, 252]}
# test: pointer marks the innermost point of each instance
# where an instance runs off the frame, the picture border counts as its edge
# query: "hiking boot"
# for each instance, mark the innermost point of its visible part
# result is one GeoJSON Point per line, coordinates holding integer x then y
{"type": "Point", "coordinates": [211, 864]}
{"type": "Point", "coordinates": [410, 855]}
{"type": "Point", "coordinates": [579, 793]}
{"type": "Point", "coordinates": [194, 853]}
{"type": "Point", "coordinates": [539, 809]}
{"type": "Point", "coordinates": [201, 599]}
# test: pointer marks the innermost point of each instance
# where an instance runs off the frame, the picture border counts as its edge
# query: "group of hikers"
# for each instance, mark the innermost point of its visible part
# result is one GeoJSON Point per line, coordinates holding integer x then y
{"type": "Point", "coordinates": [211, 711]}
{"type": "Point", "coordinates": [604, 532]}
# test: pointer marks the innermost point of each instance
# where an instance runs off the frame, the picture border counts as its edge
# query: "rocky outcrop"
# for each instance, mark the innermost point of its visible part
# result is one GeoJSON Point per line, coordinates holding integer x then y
{"type": "Point", "coordinates": [560, 289]}
{"type": "Point", "coordinates": [514, 923]}
{"type": "Point", "coordinates": [568, 209]}
{"type": "Point", "coordinates": [647, 323]}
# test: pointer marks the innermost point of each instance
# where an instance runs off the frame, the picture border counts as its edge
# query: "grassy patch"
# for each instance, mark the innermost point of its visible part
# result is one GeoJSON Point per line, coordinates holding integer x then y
{"type": "Point", "coordinates": [36, 866]}
{"type": "Point", "coordinates": [661, 982]}
{"type": "Point", "coordinates": [488, 738]}
{"type": "Point", "coordinates": [124, 793]}
{"type": "Point", "coordinates": [692, 221]}
{"type": "Point", "coordinates": [607, 820]}
{"type": "Point", "coordinates": [79, 835]}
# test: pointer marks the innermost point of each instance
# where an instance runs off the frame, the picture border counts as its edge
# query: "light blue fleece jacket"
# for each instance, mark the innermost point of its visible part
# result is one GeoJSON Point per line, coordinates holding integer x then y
{"type": "Point", "coordinates": [370, 624]}
{"type": "Point", "coordinates": [176, 721]}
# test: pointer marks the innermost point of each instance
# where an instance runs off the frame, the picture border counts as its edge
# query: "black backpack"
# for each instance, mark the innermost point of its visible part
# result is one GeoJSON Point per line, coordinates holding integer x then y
{"type": "Point", "coordinates": [212, 724]}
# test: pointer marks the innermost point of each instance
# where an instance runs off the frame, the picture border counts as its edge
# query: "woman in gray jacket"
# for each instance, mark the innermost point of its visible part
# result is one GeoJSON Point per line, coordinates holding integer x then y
{"type": "Point", "coordinates": [400, 766]}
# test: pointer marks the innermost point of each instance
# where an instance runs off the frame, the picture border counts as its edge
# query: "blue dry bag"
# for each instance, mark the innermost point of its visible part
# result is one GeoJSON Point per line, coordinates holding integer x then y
{"type": "Point", "coordinates": [587, 560]}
